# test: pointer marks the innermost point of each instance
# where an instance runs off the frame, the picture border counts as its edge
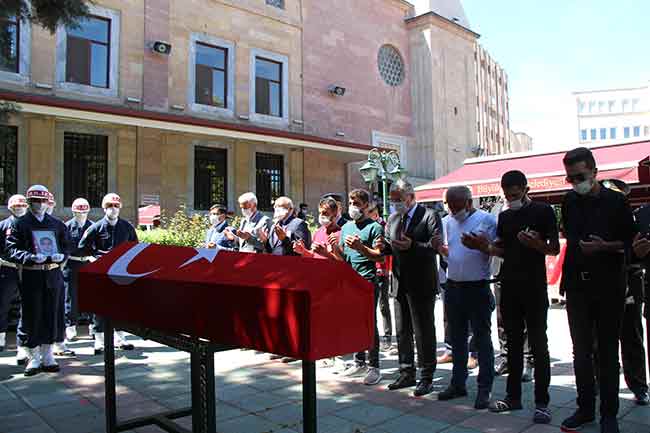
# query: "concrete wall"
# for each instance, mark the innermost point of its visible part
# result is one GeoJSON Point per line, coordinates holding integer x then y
{"type": "Point", "coordinates": [342, 39]}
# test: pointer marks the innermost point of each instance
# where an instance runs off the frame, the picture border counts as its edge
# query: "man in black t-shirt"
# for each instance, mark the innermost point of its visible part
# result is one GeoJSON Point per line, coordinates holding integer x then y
{"type": "Point", "coordinates": [526, 234]}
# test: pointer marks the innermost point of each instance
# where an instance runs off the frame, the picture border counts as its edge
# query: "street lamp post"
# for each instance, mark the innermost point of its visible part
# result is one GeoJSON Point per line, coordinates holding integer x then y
{"type": "Point", "coordinates": [384, 167]}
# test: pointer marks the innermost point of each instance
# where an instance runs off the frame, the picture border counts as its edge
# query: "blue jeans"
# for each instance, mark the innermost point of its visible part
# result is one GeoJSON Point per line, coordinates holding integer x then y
{"type": "Point", "coordinates": [470, 304]}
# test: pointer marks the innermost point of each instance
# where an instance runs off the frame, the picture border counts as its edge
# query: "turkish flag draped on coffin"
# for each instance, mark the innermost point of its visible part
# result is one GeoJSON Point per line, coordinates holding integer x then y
{"type": "Point", "coordinates": [291, 306]}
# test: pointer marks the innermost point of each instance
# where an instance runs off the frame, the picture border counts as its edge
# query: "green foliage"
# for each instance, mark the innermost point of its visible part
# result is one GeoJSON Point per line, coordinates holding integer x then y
{"type": "Point", "coordinates": [46, 13]}
{"type": "Point", "coordinates": [182, 229]}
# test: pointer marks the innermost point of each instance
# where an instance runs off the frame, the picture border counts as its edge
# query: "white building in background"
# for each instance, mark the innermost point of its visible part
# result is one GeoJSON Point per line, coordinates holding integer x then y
{"type": "Point", "coordinates": [613, 115]}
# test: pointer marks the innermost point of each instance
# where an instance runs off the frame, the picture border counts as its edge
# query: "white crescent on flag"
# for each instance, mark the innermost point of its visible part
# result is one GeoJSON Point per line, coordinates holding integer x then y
{"type": "Point", "coordinates": [119, 271]}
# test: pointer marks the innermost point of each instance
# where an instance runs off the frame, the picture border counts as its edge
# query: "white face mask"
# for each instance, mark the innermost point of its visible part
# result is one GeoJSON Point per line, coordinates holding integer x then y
{"type": "Point", "coordinates": [81, 218]}
{"type": "Point", "coordinates": [324, 220]}
{"type": "Point", "coordinates": [214, 219]}
{"type": "Point", "coordinates": [355, 213]}
{"type": "Point", "coordinates": [37, 208]}
{"type": "Point", "coordinates": [19, 211]}
{"type": "Point", "coordinates": [584, 187]}
{"type": "Point", "coordinates": [399, 207]}
{"type": "Point", "coordinates": [461, 216]}
{"type": "Point", "coordinates": [515, 204]}
{"type": "Point", "coordinates": [247, 213]}
{"type": "Point", "coordinates": [112, 213]}
{"type": "Point", "coordinates": [280, 213]}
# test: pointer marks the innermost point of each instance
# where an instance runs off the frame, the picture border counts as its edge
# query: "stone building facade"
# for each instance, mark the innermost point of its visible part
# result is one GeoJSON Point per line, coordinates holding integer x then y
{"type": "Point", "coordinates": [248, 98]}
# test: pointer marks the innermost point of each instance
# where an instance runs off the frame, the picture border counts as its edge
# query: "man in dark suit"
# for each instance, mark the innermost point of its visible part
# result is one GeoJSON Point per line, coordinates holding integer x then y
{"type": "Point", "coordinates": [286, 229]}
{"type": "Point", "coordinates": [409, 233]}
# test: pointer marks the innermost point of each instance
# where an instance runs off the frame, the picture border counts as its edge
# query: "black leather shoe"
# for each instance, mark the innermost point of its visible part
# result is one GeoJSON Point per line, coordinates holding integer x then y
{"type": "Point", "coordinates": [452, 392]}
{"type": "Point", "coordinates": [424, 387]}
{"type": "Point", "coordinates": [54, 368]}
{"type": "Point", "coordinates": [609, 425]}
{"type": "Point", "coordinates": [642, 398]}
{"type": "Point", "coordinates": [31, 371]}
{"type": "Point", "coordinates": [405, 380]}
{"type": "Point", "coordinates": [576, 421]}
{"type": "Point", "coordinates": [482, 399]}
{"type": "Point", "coordinates": [126, 347]}
{"type": "Point", "coordinates": [99, 351]}
{"type": "Point", "coordinates": [21, 362]}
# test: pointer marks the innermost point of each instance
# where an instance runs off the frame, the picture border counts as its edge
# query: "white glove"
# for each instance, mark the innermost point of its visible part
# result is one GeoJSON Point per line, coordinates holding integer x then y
{"type": "Point", "coordinates": [38, 258]}
{"type": "Point", "coordinates": [57, 258]}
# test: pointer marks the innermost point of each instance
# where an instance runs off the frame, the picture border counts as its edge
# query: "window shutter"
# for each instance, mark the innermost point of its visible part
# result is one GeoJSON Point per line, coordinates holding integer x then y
{"type": "Point", "coordinates": [78, 61]}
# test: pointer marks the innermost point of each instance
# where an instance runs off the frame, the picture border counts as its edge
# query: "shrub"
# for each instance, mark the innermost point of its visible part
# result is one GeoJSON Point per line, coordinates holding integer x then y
{"type": "Point", "coordinates": [181, 229]}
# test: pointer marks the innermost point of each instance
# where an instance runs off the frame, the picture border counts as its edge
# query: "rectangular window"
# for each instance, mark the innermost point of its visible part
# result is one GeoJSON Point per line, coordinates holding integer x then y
{"type": "Point", "coordinates": [592, 107]}
{"type": "Point", "coordinates": [583, 135]}
{"type": "Point", "coordinates": [88, 48]}
{"type": "Point", "coordinates": [625, 105]}
{"type": "Point", "coordinates": [601, 106]}
{"type": "Point", "coordinates": [276, 3]}
{"type": "Point", "coordinates": [268, 87]}
{"type": "Point", "coordinates": [211, 75]}
{"type": "Point", "coordinates": [269, 179]}
{"type": "Point", "coordinates": [612, 133]}
{"type": "Point", "coordinates": [646, 130]}
{"type": "Point", "coordinates": [8, 162]}
{"type": "Point", "coordinates": [581, 107]}
{"type": "Point", "coordinates": [612, 105]}
{"type": "Point", "coordinates": [593, 134]}
{"type": "Point", "coordinates": [85, 167]}
{"type": "Point", "coordinates": [603, 133]}
{"type": "Point", "coordinates": [9, 31]}
{"type": "Point", "coordinates": [626, 132]}
{"type": "Point", "coordinates": [210, 174]}
{"type": "Point", "coordinates": [637, 131]}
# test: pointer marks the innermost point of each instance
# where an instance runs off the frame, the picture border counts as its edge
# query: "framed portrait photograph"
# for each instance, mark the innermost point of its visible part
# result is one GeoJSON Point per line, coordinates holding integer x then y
{"type": "Point", "coordinates": [45, 242]}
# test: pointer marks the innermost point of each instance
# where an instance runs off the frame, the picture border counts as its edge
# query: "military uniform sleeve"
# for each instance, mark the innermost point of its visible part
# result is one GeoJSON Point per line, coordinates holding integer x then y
{"type": "Point", "coordinates": [18, 245]}
{"type": "Point", "coordinates": [88, 241]}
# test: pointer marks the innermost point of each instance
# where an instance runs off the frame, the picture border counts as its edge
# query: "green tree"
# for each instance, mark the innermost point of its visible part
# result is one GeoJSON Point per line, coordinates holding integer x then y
{"type": "Point", "coordinates": [46, 13]}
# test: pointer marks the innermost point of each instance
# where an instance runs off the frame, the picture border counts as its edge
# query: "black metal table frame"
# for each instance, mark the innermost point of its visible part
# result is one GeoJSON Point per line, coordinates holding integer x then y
{"type": "Point", "coordinates": [202, 384]}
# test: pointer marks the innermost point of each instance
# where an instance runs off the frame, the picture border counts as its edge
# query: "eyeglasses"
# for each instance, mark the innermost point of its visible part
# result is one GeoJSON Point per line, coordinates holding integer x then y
{"type": "Point", "coordinates": [576, 178]}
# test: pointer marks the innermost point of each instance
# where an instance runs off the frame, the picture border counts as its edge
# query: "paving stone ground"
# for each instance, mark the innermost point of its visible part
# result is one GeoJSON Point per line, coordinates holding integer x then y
{"type": "Point", "coordinates": [256, 395]}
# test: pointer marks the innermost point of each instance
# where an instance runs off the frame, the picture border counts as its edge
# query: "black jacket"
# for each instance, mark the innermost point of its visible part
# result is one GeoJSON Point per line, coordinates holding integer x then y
{"type": "Point", "coordinates": [416, 268]}
{"type": "Point", "coordinates": [296, 229]}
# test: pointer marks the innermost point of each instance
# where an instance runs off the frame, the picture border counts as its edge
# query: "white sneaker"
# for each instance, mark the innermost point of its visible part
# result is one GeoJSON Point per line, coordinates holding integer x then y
{"type": "Point", "coordinates": [33, 361]}
{"type": "Point", "coordinates": [355, 370]}
{"type": "Point", "coordinates": [373, 377]}
{"type": "Point", "coordinates": [3, 340]}
{"type": "Point", "coordinates": [70, 333]}
{"type": "Point", "coordinates": [121, 342]}
{"type": "Point", "coordinates": [327, 363]}
{"type": "Point", "coordinates": [48, 363]}
{"type": "Point", "coordinates": [91, 330]}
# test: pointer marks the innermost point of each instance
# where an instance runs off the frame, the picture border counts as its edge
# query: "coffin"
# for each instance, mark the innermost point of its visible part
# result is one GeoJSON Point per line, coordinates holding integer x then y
{"type": "Point", "coordinates": [291, 306]}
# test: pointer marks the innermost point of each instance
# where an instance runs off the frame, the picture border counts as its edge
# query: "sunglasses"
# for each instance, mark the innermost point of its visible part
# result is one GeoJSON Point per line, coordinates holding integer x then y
{"type": "Point", "coordinates": [576, 178]}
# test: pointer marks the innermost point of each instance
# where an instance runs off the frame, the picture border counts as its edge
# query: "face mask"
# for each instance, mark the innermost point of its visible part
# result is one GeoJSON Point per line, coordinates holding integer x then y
{"type": "Point", "coordinates": [81, 218]}
{"type": "Point", "coordinates": [280, 213]}
{"type": "Point", "coordinates": [37, 208]}
{"type": "Point", "coordinates": [247, 213]}
{"type": "Point", "coordinates": [19, 211]}
{"type": "Point", "coordinates": [399, 207]}
{"type": "Point", "coordinates": [515, 204]}
{"type": "Point", "coordinates": [49, 210]}
{"type": "Point", "coordinates": [324, 221]}
{"type": "Point", "coordinates": [214, 219]}
{"type": "Point", "coordinates": [461, 216]}
{"type": "Point", "coordinates": [583, 188]}
{"type": "Point", "coordinates": [355, 213]}
{"type": "Point", "coordinates": [112, 213]}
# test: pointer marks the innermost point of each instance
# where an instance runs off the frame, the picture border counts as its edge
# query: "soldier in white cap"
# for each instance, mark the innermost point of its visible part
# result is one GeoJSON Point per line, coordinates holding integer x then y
{"type": "Point", "coordinates": [76, 226]}
{"type": "Point", "coordinates": [51, 204]}
{"type": "Point", "coordinates": [17, 205]}
{"type": "Point", "coordinates": [41, 279]}
{"type": "Point", "coordinates": [99, 239]}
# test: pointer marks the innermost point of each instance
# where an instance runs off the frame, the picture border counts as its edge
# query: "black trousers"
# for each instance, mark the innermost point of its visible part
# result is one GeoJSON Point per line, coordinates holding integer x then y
{"type": "Point", "coordinates": [42, 317]}
{"type": "Point", "coordinates": [359, 357]}
{"type": "Point", "coordinates": [71, 278]}
{"type": "Point", "coordinates": [384, 306]}
{"type": "Point", "coordinates": [414, 315]}
{"type": "Point", "coordinates": [633, 350]}
{"type": "Point", "coordinates": [8, 291]}
{"type": "Point", "coordinates": [501, 330]}
{"type": "Point", "coordinates": [524, 306]}
{"type": "Point", "coordinates": [593, 315]}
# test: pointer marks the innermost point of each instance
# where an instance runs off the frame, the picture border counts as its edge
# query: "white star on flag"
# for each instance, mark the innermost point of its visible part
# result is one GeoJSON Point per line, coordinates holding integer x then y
{"type": "Point", "coordinates": [202, 253]}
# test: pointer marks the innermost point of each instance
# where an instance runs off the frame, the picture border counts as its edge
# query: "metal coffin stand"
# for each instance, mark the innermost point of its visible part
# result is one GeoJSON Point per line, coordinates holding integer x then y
{"type": "Point", "coordinates": [202, 384]}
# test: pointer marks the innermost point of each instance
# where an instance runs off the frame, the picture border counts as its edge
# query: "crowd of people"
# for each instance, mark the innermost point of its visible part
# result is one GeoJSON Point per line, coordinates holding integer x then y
{"type": "Point", "coordinates": [602, 279]}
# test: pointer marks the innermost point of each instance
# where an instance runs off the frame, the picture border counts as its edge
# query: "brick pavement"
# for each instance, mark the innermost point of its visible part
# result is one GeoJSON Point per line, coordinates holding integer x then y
{"type": "Point", "coordinates": [256, 395]}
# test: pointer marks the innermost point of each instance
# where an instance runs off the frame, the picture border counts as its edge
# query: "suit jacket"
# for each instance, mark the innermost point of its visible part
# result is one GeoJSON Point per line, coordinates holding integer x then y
{"type": "Point", "coordinates": [253, 225]}
{"type": "Point", "coordinates": [296, 229]}
{"type": "Point", "coordinates": [415, 269]}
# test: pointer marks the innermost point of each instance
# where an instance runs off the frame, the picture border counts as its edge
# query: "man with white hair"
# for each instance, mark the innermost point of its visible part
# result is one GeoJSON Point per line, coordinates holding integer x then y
{"type": "Point", "coordinates": [286, 229]}
{"type": "Point", "coordinates": [8, 274]}
{"type": "Point", "coordinates": [253, 225]}
{"type": "Point", "coordinates": [468, 298]}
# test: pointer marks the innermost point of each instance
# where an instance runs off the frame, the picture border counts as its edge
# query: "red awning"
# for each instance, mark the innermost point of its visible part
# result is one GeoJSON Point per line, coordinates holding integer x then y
{"type": "Point", "coordinates": [147, 214]}
{"type": "Point", "coordinates": [545, 172]}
